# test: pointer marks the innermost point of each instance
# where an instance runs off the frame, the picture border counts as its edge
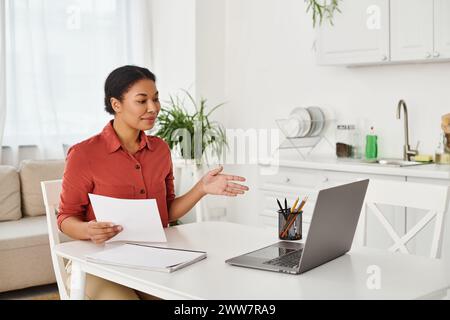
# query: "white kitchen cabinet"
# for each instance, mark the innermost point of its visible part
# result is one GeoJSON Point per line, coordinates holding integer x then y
{"type": "Point", "coordinates": [411, 30]}
{"type": "Point", "coordinates": [291, 183]}
{"type": "Point", "coordinates": [390, 31]}
{"type": "Point", "coordinates": [441, 29]}
{"type": "Point", "coordinates": [360, 34]}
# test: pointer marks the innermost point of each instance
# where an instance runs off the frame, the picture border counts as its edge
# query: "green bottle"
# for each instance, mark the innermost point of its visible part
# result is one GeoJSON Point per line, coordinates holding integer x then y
{"type": "Point", "coordinates": [371, 145]}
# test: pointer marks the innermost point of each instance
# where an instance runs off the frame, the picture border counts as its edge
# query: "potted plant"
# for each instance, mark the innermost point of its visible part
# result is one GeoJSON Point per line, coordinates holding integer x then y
{"type": "Point", "coordinates": [322, 9]}
{"type": "Point", "coordinates": [192, 136]}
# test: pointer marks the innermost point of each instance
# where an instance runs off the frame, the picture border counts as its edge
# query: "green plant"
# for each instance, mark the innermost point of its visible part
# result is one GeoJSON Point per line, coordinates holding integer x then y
{"type": "Point", "coordinates": [322, 9]}
{"type": "Point", "coordinates": [194, 134]}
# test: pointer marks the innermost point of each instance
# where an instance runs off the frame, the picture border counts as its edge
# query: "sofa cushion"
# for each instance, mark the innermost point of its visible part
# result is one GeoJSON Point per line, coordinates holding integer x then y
{"type": "Point", "coordinates": [31, 173]}
{"type": "Point", "coordinates": [26, 232]}
{"type": "Point", "coordinates": [9, 194]}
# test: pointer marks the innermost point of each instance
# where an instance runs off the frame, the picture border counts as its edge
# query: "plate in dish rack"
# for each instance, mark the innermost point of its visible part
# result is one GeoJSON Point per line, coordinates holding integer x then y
{"type": "Point", "coordinates": [304, 121]}
{"type": "Point", "coordinates": [318, 121]}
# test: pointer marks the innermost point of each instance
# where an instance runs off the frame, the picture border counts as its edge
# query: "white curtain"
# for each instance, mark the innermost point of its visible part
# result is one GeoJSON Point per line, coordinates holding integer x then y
{"type": "Point", "coordinates": [58, 55]}
{"type": "Point", "coordinates": [2, 72]}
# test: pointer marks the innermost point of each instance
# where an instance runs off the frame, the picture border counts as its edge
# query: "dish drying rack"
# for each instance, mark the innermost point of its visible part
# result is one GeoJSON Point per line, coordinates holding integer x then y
{"type": "Point", "coordinates": [305, 145]}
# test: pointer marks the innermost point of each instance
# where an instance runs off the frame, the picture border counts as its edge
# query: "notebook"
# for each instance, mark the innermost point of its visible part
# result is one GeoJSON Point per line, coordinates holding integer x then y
{"type": "Point", "coordinates": [146, 257]}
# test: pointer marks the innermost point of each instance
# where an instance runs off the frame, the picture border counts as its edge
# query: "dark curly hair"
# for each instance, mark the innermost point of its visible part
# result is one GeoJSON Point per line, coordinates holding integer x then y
{"type": "Point", "coordinates": [121, 80]}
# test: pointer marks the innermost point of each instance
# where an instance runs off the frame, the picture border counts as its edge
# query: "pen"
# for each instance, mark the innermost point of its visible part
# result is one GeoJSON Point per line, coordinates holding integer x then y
{"type": "Point", "coordinates": [279, 204]}
{"type": "Point", "coordinates": [285, 204]}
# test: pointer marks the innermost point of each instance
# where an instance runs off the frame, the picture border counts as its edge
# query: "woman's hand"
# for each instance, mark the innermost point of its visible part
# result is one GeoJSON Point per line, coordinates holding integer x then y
{"type": "Point", "coordinates": [99, 232]}
{"type": "Point", "coordinates": [216, 183]}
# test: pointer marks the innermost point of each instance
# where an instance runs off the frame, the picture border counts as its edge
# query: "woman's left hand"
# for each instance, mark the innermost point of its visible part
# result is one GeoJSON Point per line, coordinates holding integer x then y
{"type": "Point", "coordinates": [216, 183]}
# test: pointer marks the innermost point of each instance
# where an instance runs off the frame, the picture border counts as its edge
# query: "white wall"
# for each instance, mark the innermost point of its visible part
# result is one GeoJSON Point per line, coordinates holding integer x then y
{"type": "Point", "coordinates": [270, 68]}
{"type": "Point", "coordinates": [189, 53]}
{"type": "Point", "coordinates": [173, 44]}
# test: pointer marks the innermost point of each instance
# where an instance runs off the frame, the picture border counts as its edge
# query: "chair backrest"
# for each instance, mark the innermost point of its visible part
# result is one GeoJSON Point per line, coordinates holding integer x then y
{"type": "Point", "coordinates": [66, 148]}
{"type": "Point", "coordinates": [51, 191]}
{"type": "Point", "coordinates": [409, 195]}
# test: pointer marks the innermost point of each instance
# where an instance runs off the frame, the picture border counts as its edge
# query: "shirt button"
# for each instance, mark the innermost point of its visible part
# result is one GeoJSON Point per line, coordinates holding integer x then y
{"type": "Point", "coordinates": [142, 191]}
{"type": "Point", "coordinates": [138, 167]}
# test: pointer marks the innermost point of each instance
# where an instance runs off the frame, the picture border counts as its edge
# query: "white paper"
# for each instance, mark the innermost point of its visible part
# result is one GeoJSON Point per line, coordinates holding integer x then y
{"type": "Point", "coordinates": [139, 218]}
{"type": "Point", "coordinates": [144, 257]}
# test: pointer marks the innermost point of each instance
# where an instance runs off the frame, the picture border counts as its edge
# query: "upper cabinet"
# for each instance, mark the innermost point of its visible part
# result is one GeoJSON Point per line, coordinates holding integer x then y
{"type": "Point", "coordinates": [360, 34]}
{"type": "Point", "coordinates": [411, 30]}
{"type": "Point", "coordinates": [441, 29]}
{"type": "Point", "coordinates": [378, 32]}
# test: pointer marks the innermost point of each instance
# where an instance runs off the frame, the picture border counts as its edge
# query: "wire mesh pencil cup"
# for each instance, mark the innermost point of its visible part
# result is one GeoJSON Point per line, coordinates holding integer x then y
{"type": "Point", "coordinates": [289, 225]}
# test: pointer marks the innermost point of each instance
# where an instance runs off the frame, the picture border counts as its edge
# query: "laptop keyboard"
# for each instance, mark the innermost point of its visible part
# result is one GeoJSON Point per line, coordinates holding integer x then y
{"type": "Point", "coordinates": [289, 260]}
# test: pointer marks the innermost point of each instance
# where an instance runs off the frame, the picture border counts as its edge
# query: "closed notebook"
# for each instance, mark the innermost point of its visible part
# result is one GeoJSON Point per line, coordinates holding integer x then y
{"type": "Point", "coordinates": [140, 256]}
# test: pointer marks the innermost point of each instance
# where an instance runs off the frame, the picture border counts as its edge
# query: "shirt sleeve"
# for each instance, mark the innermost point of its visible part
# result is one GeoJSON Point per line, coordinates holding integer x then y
{"type": "Point", "coordinates": [170, 189]}
{"type": "Point", "coordinates": [76, 184]}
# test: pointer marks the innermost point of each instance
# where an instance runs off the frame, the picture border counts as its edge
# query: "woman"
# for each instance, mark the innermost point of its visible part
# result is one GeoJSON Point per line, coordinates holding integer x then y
{"type": "Point", "coordinates": [123, 162]}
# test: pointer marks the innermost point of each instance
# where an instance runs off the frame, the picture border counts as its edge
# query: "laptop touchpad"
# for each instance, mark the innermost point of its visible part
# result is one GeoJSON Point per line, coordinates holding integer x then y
{"type": "Point", "coordinates": [269, 252]}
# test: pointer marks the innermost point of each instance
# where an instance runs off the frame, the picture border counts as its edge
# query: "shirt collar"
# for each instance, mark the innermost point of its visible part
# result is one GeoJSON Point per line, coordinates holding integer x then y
{"type": "Point", "coordinates": [113, 142]}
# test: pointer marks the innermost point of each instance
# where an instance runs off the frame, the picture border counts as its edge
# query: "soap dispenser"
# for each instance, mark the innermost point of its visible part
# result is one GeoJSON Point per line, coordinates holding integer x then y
{"type": "Point", "coordinates": [371, 145]}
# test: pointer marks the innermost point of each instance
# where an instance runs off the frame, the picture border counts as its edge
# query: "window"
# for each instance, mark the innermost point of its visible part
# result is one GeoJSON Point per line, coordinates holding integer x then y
{"type": "Point", "coordinates": [58, 55]}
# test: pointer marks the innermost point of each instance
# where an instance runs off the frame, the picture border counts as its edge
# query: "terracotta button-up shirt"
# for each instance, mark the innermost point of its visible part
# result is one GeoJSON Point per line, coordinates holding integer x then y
{"type": "Point", "coordinates": [100, 165]}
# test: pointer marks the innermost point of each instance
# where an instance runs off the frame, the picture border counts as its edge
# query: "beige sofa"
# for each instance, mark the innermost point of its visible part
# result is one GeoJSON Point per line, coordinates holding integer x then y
{"type": "Point", "coordinates": [24, 250]}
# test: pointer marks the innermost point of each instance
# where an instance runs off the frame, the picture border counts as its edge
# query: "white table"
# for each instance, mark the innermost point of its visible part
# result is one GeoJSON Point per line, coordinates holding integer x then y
{"type": "Point", "coordinates": [402, 276]}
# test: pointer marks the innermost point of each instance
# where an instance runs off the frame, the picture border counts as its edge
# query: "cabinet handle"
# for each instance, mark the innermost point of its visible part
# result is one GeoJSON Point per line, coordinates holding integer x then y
{"type": "Point", "coordinates": [428, 55]}
{"type": "Point", "coordinates": [383, 57]}
{"type": "Point", "coordinates": [287, 180]}
{"type": "Point", "coordinates": [436, 54]}
{"type": "Point", "coordinates": [325, 179]}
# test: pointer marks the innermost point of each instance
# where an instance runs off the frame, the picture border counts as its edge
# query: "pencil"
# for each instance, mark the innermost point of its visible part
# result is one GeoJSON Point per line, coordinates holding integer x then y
{"type": "Point", "coordinates": [286, 230]}
{"type": "Point", "coordinates": [302, 204]}
{"type": "Point", "coordinates": [295, 204]}
{"type": "Point", "coordinates": [287, 223]}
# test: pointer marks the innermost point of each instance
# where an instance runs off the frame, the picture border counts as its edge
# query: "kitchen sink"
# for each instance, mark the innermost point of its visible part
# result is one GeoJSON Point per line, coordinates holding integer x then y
{"type": "Point", "coordinates": [395, 162]}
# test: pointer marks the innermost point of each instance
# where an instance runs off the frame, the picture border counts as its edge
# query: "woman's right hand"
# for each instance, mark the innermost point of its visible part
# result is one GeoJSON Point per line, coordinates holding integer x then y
{"type": "Point", "coordinates": [99, 232]}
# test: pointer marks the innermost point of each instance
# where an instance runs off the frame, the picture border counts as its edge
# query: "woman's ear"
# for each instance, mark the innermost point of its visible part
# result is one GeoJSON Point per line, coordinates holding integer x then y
{"type": "Point", "coordinates": [116, 105]}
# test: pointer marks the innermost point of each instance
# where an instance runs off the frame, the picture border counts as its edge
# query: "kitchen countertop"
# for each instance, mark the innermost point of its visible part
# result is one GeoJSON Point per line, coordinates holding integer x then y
{"type": "Point", "coordinates": [434, 171]}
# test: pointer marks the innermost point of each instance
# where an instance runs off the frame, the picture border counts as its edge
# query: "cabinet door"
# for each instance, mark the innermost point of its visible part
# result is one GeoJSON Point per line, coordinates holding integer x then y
{"type": "Point", "coordinates": [441, 29]}
{"type": "Point", "coordinates": [360, 34]}
{"type": "Point", "coordinates": [411, 30]}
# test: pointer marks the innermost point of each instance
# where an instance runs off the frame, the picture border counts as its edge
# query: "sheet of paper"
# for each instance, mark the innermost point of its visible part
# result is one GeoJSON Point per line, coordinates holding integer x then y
{"type": "Point", "coordinates": [139, 218]}
{"type": "Point", "coordinates": [143, 257]}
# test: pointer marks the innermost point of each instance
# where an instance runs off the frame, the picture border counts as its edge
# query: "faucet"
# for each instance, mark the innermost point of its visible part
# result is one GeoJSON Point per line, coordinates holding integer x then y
{"type": "Point", "coordinates": [407, 151]}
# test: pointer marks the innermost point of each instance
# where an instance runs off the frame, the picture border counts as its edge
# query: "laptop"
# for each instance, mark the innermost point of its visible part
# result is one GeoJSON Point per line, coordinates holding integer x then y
{"type": "Point", "coordinates": [330, 235]}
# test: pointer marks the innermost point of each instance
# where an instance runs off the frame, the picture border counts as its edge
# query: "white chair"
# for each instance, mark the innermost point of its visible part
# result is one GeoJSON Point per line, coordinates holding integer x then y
{"type": "Point", "coordinates": [66, 148]}
{"type": "Point", "coordinates": [409, 195]}
{"type": "Point", "coordinates": [51, 192]}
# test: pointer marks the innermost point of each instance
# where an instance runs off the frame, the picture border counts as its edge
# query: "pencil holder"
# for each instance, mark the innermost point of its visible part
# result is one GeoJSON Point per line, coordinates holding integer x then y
{"type": "Point", "coordinates": [289, 225]}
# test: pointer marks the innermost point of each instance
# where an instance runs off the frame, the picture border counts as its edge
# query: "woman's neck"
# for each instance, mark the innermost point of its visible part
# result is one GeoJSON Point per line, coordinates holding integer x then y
{"type": "Point", "coordinates": [129, 137]}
